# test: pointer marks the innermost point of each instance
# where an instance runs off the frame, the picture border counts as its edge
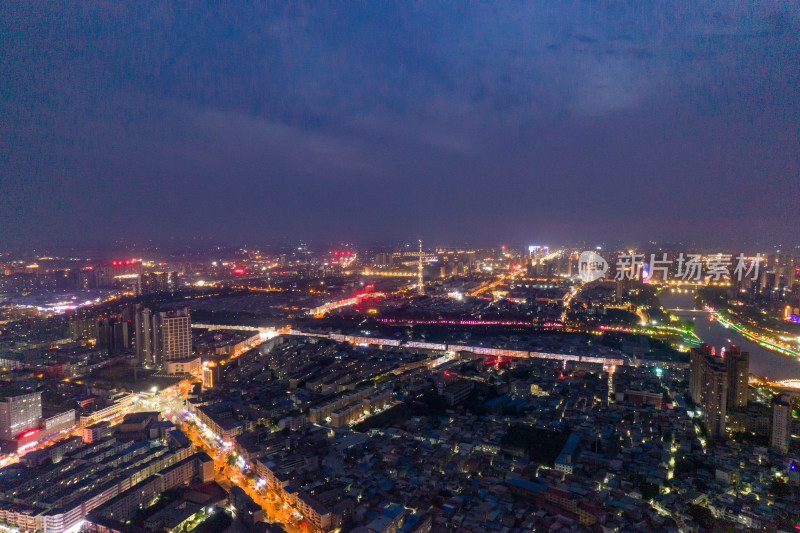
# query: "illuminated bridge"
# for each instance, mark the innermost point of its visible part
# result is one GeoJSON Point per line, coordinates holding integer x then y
{"type": "Point", "coordinates": [608, 363]}
{"type": "Point", "coordinates": [389, 273]}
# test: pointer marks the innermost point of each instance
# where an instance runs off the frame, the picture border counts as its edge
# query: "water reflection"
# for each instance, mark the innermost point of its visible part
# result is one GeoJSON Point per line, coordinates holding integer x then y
{"type": "Point", "coordinates": [772, 365]}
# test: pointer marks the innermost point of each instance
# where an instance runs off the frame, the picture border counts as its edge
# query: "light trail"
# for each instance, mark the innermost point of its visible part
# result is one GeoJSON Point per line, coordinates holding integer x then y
{"type": "Point", "coordinates": [763, 341]}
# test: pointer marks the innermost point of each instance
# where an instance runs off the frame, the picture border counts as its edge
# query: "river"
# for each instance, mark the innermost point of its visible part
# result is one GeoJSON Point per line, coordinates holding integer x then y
{"type": "Point", "coordinates": [763, 362]}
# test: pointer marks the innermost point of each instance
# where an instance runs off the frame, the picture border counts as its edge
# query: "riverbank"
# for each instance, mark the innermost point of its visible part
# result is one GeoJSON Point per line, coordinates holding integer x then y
{"type": "Point", "coordinates": [769, 363]}
{"type": "Point", "coordinates": [764, 341]}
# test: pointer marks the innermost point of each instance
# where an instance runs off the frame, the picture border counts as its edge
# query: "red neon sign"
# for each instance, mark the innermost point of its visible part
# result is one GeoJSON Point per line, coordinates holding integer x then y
{"type": "Point", "coordinates": [29, 433]}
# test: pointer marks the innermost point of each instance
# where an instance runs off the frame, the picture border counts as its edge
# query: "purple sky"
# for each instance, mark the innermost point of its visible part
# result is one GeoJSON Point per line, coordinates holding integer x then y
{"type": "Point", "coordinates": [515, 122]}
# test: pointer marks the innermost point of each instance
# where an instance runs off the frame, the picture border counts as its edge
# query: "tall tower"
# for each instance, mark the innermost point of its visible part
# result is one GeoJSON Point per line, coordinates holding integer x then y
{"type": "Point", "coordinates": [715, 396]}
{"type": "Point", "coordinates": [144, 336]}
{"type": "Point", "coordinates": [420, 286]}
{"type": "Point", "coordinates": [781, 429]}
{"type": "Point", "coordinates": [172, 336]}
{"type": "Point", "coordinates": [19, 414]}
{"type": "Point", "coordinates": [697, 361]}
{"type": "Point", "coordinates": [738, 366]}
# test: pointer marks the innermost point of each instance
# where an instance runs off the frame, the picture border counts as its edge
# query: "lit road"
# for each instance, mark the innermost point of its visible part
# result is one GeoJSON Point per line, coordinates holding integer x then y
{"type": "Point", "coordinates": [567, 299]}
{"type": "Point", "coordinates": [487, 286]}
{"type": "Point", "coordinates": [491, 284]}
{"type": "Point", "coordinates": [511, 274]}
{"type": "Point", "coordinates": [274, 511]}
{"type": "Point", "coordinates": [171, 403]}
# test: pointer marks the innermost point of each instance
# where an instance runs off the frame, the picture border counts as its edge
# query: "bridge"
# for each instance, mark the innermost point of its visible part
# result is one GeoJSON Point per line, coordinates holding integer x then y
{"type": "Point", "coordinates": [265, 333]}
{"type": "Point", "coordinates": [608, 363]}
{"type": "Point", "coordinates": [389, 273]}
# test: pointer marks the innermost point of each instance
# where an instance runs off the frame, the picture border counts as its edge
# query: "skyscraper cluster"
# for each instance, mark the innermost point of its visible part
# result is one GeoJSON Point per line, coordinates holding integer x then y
{"type": "Point", "coordinates": [154, 338]}
{"type": "Point", "coordinates": [719, 385]}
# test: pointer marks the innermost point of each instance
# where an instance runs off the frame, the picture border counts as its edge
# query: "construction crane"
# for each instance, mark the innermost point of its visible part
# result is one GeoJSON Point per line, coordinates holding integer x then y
{"type": "Point", "coordinates": [420, 285]}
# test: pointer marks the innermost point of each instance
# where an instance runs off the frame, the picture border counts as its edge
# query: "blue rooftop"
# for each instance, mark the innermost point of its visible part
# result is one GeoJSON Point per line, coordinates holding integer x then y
{"type": "Point", "coordinates": [527, 485]}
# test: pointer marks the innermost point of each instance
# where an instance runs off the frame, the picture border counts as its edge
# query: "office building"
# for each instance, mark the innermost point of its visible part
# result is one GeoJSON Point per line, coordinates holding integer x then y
{"type": "Point", "coordinates": [143, 336]}
{"type": "Point", "coordinates": [192, 365]}
{"type": "Point", "coordinates": [107, 478]}
{"type": "Point", "coordinates": [210, 375]}
{"type": "Point", "coordinates": [115, 273]}
{"type": "Point", "coordinates": [715, 396]}
{"type": "Point", "coordinates": [781, 431]}
{"type": "Point", "coordinates": [20, 416]}
{"type": "Point", "coordinates": [97, 431]}
{"type": "Point", "coordinates": [172, 336]}
{"type": "Point", "coordinates": [737, 364]}
{"type": "Point", "coordinates": [114, 334]}
{"type": "Point", "coordinates": [57, 422]}
{"type": "Point", "coordinates": [697, 359]}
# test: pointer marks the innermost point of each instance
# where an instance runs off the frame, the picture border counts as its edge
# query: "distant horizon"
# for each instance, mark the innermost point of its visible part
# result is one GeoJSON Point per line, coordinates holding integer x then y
{"type": "Point", "coordinates": [201, 247]}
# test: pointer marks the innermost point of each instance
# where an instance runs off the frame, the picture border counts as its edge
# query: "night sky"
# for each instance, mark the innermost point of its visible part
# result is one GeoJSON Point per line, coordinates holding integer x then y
{"type": "Point", "coordinates": [518, 122]}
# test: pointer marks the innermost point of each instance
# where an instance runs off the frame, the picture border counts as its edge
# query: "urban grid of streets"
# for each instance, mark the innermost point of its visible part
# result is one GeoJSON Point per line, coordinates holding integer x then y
{"type": "Point", "coordinates": [171, 403]}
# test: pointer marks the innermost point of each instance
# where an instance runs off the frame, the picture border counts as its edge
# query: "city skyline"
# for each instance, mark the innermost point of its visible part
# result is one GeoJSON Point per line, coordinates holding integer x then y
{"type": "Point", "coordinates": [425, 389]}
{"type": "Point", "coordinates": [399, 267]}
{"type": "Point", "coordinates": [633, 122]}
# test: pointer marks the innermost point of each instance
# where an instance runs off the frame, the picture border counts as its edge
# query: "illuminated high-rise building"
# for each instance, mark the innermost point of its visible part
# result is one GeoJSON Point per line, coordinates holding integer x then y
{"type": "Point", "coordinates": [715, 396]}
{"type": "Point", "coordinates": [737, 364]}
{"type": "Point", "coordinates": [143, 335]}
{"type": "Point", "coordinates": [20, 414]}
{"type": "Point", "coordinates": [781, 430]}
{"type": "Point", "coordinates": [420, 283]}
{"type": "Point", "coordinates": [210, 375]}
{"type": "Point", "coordinates": [114, 333]}
{"type": "Point", "coordinates": [110, 274]}
{"type": "Point", "coordinates": [172, 335]}
{"type": "Point", "coordinates": [696, 361]}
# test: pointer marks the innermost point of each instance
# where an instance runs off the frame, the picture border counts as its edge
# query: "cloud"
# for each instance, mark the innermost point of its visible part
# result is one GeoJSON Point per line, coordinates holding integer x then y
{"type": "Point", "coordinates": [307, 152]}
{"type": "Point", "coordinates": [478, 118]}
